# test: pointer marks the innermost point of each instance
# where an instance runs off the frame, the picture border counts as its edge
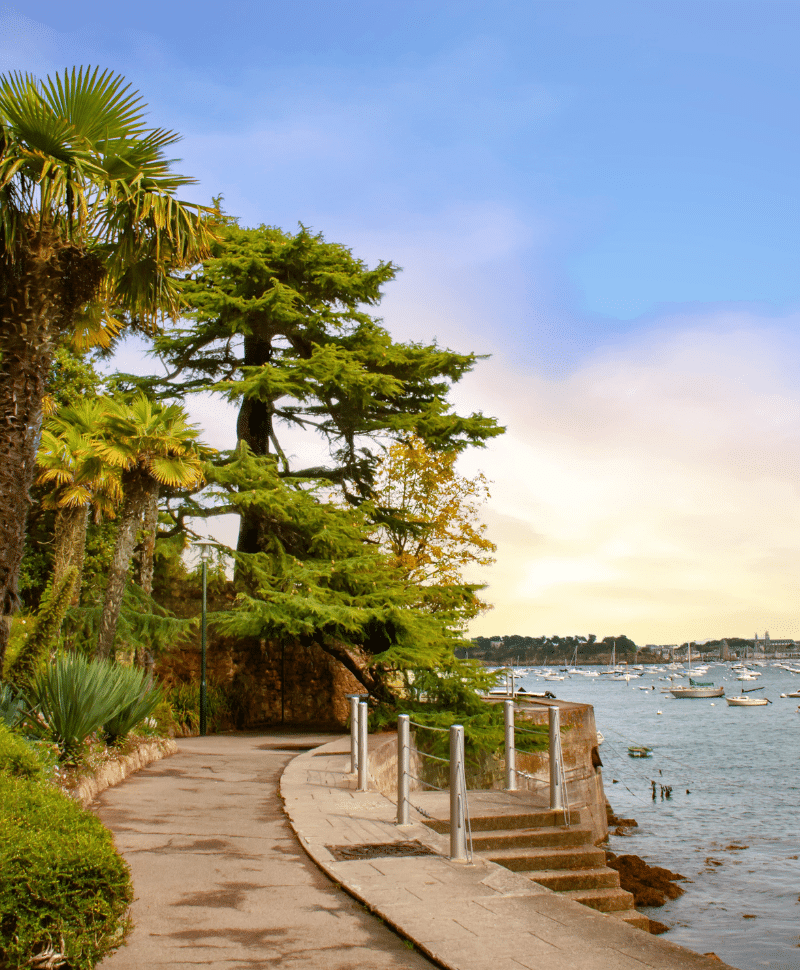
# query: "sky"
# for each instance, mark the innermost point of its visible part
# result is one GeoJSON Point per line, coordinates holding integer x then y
{"type": "Point", "coordinates": [601, 197]}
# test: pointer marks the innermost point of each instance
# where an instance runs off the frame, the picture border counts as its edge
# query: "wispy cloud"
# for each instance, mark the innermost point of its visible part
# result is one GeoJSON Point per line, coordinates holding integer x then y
{"type": "Point", "coordinates": [652, 492]}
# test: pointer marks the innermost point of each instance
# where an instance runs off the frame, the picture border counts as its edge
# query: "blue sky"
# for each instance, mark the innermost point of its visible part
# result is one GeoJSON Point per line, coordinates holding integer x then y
{"type": "Point", "coordinates": [601, 196]}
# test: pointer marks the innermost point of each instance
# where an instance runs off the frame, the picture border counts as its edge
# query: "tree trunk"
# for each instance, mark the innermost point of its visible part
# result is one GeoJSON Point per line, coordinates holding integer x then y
{"type": "Point", "coordinates": [254, 426]}
{"type": "Point", "coordinates": [69, 545]}
{"type": "Point", "coordinates": [147, 555]}
{"type": "Point", "coordinates": [138, 486]}
{"type": "Point", "coordinates": [42, 283]}
{"type": "Point", "coordinates": [144, 657]}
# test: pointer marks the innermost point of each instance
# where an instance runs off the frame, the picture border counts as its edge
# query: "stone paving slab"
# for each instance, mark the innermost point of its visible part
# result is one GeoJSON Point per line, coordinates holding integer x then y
{"type": "Point", "coordinates": [465, 916]}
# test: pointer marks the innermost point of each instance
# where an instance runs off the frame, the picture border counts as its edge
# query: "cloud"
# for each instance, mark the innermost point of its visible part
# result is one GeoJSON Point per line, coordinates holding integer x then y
{"type": "Point", "coordinates": [654, 490]}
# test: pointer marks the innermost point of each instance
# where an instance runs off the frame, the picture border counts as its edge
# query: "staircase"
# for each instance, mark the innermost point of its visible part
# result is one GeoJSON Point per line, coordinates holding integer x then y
{"type": "Point", "coordinates": [561, 858]}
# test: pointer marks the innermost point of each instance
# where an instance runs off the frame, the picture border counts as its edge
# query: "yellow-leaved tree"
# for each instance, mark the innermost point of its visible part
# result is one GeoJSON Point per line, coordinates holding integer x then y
{"type": "Point", "coordinates": [430, 523]}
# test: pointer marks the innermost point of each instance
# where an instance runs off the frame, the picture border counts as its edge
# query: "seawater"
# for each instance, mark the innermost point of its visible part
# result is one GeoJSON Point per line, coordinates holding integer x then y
{"type": "Point", "coordinates": [732, 823]}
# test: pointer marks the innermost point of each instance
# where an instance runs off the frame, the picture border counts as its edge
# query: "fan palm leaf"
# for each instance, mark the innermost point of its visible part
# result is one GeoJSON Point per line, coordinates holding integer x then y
{"type": "Point", "coordinates": [91, 233]}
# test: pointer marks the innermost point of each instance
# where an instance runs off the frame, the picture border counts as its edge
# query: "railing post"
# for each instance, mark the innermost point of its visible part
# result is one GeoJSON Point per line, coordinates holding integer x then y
{"type": "Point", "coordinates": [403, 767]}
{"type": "Point", "coordinates": [354, 699]}
{"type": "Point", "coordinates": [363, 739]}
{"type": "Point", "coordinates": [458, 837]}
{"type": "Point", "coordinates": [511, 750]}
{"type": "Point", "coordinates": [555, 759]}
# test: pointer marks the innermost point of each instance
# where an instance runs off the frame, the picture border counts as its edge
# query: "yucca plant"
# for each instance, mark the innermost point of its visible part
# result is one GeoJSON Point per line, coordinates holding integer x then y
{"type": "Point", "coordinates": [72, 698]}
{"type": "Point", "coordinates": [142, 700]}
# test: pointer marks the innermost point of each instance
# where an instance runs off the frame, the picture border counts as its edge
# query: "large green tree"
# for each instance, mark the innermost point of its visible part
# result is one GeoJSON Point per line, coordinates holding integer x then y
{"type": "Point", "coordinates": [90, 234]}
{"type": "Point", "coordinates": [279, 322]}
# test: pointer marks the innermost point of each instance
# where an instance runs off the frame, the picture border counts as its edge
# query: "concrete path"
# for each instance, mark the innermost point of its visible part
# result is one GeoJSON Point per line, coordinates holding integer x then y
{"type": "Point", "coordinates": [219, 877]}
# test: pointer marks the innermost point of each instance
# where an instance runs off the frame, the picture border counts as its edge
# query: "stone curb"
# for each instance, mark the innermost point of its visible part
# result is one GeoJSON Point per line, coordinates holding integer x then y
{"type": "Point", "coordinates": [118, 770]}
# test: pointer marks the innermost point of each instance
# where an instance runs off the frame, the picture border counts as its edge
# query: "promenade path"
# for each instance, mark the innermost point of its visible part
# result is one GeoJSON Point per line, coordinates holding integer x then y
{"type": "Point", "coordinates": [222, 879]}
{"type": "Point", "coordinates": [219, 876]}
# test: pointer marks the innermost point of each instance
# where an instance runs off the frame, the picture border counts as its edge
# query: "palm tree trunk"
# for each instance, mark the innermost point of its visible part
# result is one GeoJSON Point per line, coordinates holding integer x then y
{"type": "Point", "coordinates": [23, 365]}
{"type": "Point", "coordinates": [144, 657]}
{"type": "Point", "coordinates": [147, 556]}
{"type": "Point", "coordinates": [69, 545]}
{"type": "Point", "coordinates": [138, 487]}
{"type": "Point", "coordinates": [42, 283]}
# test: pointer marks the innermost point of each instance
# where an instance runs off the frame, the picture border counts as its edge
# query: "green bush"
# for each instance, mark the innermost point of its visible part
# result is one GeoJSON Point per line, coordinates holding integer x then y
{"type": "Point", "coordinates": [75, 697]}
{"type": "Point", "coordinates": [19, 758]}
{"type": "Point", "coordinates": [143, 699]}
{"type": "Point", "coordinates": [184, 700]}
{"type": "Point", "coordinates": [12, 705]}
{"type": "Point", "coordinates": [64, 889]}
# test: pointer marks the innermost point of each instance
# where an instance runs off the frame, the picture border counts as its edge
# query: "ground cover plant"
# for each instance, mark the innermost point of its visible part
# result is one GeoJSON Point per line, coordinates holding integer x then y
{"type": "Point", "coordinates": [64, 892]}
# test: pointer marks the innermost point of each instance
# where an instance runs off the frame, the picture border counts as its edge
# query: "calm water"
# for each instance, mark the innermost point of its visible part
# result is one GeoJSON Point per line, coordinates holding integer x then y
{"type": "Point", "coordinates": [732, 824]}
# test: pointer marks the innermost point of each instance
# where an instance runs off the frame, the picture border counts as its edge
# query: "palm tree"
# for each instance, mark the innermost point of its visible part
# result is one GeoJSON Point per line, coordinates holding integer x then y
{"type": "Point", "coordinates": [90, 234]}
{"type": "Point", "coordinates": [153, 445]}
{"type": "Point", "coordinates": [69, 459]}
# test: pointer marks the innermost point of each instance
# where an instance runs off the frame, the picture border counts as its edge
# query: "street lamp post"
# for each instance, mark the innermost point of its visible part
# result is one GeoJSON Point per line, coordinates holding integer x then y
{"type": "Point", "coordinates": [205, 546]}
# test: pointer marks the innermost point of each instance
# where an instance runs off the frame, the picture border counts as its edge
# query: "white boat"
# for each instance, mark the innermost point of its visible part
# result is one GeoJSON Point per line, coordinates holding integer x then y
{"type": "Point", "coordinates": [742, 700]}
{"type": "Point", "coordinates": [697, 691]}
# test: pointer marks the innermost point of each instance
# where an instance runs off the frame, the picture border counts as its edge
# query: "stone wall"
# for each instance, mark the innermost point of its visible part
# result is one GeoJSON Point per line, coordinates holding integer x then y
{"type": "Point", "coordinates": [267, 683]}
{"type": "Point", "coordinates": [578, 738]}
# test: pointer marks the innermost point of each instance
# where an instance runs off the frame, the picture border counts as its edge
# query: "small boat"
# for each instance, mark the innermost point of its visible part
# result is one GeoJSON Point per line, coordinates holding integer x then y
{"type": "Point", "coordinates": [794, 693]}
{"type": "Point", "coordinates": [600, 737]}
{"type": "Point", "coordinates": [742, 700]}
{"type": "Point", "coordinates": [639, 751]}
{"type": "Point", "coordinates": [705, 690]}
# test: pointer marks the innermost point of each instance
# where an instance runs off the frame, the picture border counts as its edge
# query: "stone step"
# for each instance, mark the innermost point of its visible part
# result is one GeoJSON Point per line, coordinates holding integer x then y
{"type": "Point", "coordinates": [530, 838]}
{"type": "Point", "coordinates": [603, 900]}
{"type": "Point", "coordinates": [546, 858]}
{"type": "Point", "coordinates": [560, 880]}
{"type": "Point", "coordinates": [526, 820]}
{"type": "Point", "coordinates": [639, 920]}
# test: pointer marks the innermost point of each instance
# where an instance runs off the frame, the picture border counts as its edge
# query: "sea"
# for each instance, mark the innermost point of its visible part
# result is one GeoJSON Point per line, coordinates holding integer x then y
{"type": "Point", "coordinates": [731, 823]}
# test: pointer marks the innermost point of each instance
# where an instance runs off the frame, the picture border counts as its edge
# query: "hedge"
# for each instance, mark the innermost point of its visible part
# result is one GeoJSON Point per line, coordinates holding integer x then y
{"type": "Point", "coordinates": [63, 887]}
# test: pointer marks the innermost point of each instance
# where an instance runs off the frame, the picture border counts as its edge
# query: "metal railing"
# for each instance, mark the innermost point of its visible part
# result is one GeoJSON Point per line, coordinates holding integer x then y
{"type": "Point", "coordinates": [559, 799]}
{"type": "Point", "coordinates": [460, 828]}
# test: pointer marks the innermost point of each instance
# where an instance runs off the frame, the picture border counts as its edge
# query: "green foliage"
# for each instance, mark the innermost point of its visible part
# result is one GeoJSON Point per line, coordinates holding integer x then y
{"type": "Point", "coordinates": [74, 697]}
{"type": "Point", "coordinates": [43, 638]}
{"type": "Point", "coordinates": [64, 889]}
{"type": "Point", "coordinates": [184, 699]}
{"type": "Point", "coordinates": [12, 705]}
{"type": "Point", "coordinates": [143, 623]}
{"type": "Point", "coordinates": [142, 699]}
{"type": "Point", "coordinates": [21, 759]}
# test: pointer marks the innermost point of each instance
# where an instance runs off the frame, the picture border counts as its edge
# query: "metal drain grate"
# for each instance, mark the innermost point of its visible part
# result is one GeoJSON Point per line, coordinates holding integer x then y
{"type": "Point", "coordinates": [378, 850]}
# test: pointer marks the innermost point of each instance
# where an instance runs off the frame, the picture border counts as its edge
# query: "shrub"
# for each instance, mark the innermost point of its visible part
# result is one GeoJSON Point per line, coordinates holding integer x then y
{"type": "Point", "coordinates": [64, 891]}
{"type": "Point", "coordinates": [75, 697]}
{"type": "Point", "coordinates": [185, 702]}
{"type": "Point", "coordinates": [12, 705]}
{"type": "Point", "coordinates": [142, 700]}
{"type": "Point", "coordinates": [19, 758]}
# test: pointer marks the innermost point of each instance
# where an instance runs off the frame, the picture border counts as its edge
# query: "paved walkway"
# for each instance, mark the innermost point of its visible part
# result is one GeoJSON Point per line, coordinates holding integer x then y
{"type": "Point", "coordinates": [219, 877]}
{"type": "Point", "coordinates": [221, 880]}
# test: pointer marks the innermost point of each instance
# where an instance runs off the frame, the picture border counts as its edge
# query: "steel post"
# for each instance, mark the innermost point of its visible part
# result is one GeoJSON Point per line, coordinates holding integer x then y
{"type": "Point", "coordinates": [354, 699]}
{"type": "Point", "coordinates": [363, 738]}
{"type": "Point", "coordinates": [556, 804]}
{"type": "Point", "coordinates": [511, 750]}
{"type": "Point", "coordinates": [403, 767]}
{"type": "Point", "coordinates": [458, 836]}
